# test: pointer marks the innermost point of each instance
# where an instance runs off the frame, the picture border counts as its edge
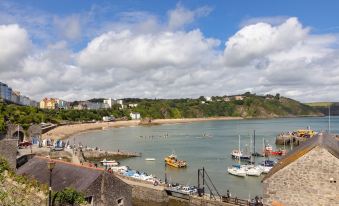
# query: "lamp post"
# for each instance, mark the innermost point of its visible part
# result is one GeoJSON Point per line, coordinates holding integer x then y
{"type": "Point", "coordinates": [50, 165]}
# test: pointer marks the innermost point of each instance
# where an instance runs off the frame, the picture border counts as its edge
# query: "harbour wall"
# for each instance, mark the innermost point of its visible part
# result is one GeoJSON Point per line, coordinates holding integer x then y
{"type": "Point", "coordinates": [144, 193]}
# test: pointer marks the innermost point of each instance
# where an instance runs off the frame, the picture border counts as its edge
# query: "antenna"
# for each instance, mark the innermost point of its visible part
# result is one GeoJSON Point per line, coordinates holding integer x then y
{"type": "Point", "coordinates": [329, 118]}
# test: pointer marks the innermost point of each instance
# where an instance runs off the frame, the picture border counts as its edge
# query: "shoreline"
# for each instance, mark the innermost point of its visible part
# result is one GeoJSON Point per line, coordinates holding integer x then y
{"type": "Point", "coordinates": [67, 131]}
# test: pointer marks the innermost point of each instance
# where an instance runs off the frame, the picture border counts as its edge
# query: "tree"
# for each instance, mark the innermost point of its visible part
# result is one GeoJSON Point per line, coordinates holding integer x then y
{"type": "Point", "coordinates": [68, 196]}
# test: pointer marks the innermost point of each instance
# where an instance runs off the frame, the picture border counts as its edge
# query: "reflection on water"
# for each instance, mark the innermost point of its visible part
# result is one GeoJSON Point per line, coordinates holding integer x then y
{"type": "Point", "coordinates": [202, 144]}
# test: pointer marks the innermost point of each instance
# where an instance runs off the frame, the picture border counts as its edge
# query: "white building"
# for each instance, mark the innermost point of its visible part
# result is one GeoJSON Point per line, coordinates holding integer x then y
{"type": "Point", "coordinates": [135, 115]}
{"type": "Point", "coordinates": [110, 102]}
{"type": "Point", "coordinates": [208, 99]}
{"type": "Point", "coordinates": [132, 105]}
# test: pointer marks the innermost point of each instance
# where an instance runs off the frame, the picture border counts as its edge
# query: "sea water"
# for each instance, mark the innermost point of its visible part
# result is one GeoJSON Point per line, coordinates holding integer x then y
{"type": "Point", "coordinates": [205, 144]}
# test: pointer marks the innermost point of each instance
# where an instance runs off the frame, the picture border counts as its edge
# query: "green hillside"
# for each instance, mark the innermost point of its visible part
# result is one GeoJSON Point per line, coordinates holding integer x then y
{"type": "Point", "coordinates": [323, 107]}
{"type": "Point", "coordinates": [251, 106]}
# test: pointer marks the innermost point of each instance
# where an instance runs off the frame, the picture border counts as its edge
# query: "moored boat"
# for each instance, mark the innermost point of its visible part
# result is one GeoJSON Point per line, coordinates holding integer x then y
{"type": "Point", "coordinates": [172, 160]}
{"type": "Point", "coordinates": [150, 159]}
{"type": "Point", "coordinates": [237, 171]}
{"type": "Point", "coordinates": [109, 163]}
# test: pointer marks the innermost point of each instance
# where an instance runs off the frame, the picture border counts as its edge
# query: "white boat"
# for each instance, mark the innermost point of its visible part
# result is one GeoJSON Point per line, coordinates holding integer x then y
{"type": "Point", "coordinates": [150, 159]}
{"type": "Point", "coordinates": [109, 163]}
{"type": "Point", "coordinates": [253, 171]}
{"type": "Point", "coordinates": [238, 154]}
{"type": "Point", "coordinates": [240, 172]}
{"type": "Point", "coordinates": [264, 169]}
{"type": "Point", "coordinates": [237, 170]}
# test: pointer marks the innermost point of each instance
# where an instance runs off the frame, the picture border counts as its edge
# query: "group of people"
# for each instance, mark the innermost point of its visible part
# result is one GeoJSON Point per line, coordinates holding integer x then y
{"type": "Point", "coordinates": [257, 201]}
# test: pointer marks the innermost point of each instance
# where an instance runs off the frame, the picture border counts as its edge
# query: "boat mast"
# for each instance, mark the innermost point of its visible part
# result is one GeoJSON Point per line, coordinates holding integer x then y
{"type": "Point", "coordinates": [329, 118]}
{"type": "Point", "coordinates": [254, 142]}
{"type": "Point", "coordinates": [239, 150]}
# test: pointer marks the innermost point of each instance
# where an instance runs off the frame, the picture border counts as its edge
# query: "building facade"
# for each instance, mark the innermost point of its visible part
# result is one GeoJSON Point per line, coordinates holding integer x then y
{"type": "Point", "coordinates": [308, 175]}
{"type": "Point", "coordinates": [135, 115]}
{"type": "Point", "coordinates": [48, 103]}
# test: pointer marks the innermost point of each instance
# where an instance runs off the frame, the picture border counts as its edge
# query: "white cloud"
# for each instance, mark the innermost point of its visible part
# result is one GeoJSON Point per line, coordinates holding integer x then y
{"type": "Point", "coordinates": [69, 27]}
{"type": "Point", "coordinates": [14, 43]}
{"type": "Point", "coordinates": [257, 40]}
{"type": "Point", "coordinates": [180, 16]}
{"type": "Point", "coordinates": [141, 56]}
{"type": "Point", "coordinates": [147, 51]}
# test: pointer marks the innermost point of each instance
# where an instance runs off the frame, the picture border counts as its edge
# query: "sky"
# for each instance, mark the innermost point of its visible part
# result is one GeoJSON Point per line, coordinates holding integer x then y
{"type": "Point", "coordinates": [77, 50]}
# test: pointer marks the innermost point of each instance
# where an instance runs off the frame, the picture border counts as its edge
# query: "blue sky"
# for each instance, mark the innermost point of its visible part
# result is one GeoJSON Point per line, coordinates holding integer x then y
{"type": "Point", "coordinates": [222, 46]}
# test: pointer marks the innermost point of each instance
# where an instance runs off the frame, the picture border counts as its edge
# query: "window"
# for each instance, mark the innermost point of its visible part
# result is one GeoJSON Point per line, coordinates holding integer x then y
{"type": "Point", "coordinates": [90, 200]}
{"type": "Point", "coordinates": [120, 201]}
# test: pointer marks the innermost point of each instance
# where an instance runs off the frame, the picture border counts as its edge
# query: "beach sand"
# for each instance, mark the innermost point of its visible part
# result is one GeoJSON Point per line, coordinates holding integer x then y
{"type": "Point", "coordinates": [66, 131]}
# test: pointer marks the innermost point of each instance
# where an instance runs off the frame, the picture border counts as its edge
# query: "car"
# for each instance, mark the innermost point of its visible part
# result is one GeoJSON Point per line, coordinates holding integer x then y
{"type": "Point", "coordinates": [24, 144]}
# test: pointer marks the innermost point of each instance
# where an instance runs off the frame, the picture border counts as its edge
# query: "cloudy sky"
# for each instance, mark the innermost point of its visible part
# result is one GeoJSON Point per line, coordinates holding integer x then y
{"type": "Point", "coordinates": [169, 49]}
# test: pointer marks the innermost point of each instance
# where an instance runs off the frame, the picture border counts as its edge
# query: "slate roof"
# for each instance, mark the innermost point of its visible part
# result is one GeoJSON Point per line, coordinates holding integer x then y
{"type": "Point", "coordinates": [328, 141]}
{"type": "Point", "coordinates": [64, 174]}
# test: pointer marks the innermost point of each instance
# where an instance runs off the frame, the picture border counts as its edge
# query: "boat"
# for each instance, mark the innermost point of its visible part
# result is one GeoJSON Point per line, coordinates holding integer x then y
{"type": "Point", "coordinates": [237, 171]}
{"type": "Point", "coordinates": [264, 169]}
{"type": "Point", "coordinates": [172, 160]}
{"type": "Point", "coordinates": [238, 154]}
{"type": "Point", "coordinates": [150, 159]}
{"type": "Point", "coordinates": [109, 163]}
{"type": "Point", "coordinates": [253, 170]}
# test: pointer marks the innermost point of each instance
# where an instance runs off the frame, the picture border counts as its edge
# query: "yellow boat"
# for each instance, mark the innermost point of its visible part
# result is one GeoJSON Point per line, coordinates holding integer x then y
{"type": "Point", "coordinates": [172, 160]}
{"type": "Point", "coordinates": [305, 133]}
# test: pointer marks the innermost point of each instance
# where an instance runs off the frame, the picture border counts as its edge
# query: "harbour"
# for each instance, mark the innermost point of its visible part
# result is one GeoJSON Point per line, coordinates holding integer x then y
{"type": "Point", "coordinates": [189, 143]}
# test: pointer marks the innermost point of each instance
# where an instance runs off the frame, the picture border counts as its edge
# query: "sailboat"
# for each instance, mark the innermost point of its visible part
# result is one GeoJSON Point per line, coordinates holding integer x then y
{"type": "Point", "coordinates": [237, 170]}
{"type": "Point", "coordinates": [238, 154]}
{"type": "Point", "coordinates": [252, 170]}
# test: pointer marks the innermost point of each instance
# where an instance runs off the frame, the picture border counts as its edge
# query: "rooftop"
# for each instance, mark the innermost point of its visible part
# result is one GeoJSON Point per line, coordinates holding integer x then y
{"type": "Point", "coordinates": [328, 141]}
{"type": "Point", "coordinates": [64, 174]}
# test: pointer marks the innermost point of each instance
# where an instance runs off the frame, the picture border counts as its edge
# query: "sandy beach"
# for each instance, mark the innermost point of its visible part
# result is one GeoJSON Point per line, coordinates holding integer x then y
{"type": "Point", "coordinates": [65, 131]}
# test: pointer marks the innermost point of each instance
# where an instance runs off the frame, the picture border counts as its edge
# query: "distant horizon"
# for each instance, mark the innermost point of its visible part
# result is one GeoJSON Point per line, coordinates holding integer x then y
{"type": "Point", "coordinates": [170, 49]}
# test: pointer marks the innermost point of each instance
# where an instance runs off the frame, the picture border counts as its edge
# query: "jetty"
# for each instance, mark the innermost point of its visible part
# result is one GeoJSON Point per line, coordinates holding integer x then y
{"type": "Point", "coordinates": [97, 154]}
{"type": "Point", "coordinates": [294, 138]}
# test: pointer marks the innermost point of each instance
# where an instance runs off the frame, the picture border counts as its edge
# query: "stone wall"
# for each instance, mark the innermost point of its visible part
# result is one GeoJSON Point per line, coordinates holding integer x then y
{"type": "Point", "coordinates": [306, 181]}
{"type": "Point", "coordinates": [107, 189]}
{"type": "Point", "coordinates": [148, 196]}
{"type": "Point", "coordinates": [8, 150]}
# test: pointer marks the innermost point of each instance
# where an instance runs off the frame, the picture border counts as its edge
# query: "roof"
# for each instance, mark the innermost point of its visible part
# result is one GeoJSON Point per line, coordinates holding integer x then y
{"type": "Point", "coordinates": [64, 174]}
{"type": "Point", "coordinates": [328, 141]}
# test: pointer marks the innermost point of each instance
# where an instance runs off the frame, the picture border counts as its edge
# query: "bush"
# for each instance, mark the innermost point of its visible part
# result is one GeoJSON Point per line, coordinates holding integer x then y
{"type": "Point", "coordinates": [4, 165]}
{"type": "Point", "coordinates": [68, 196]}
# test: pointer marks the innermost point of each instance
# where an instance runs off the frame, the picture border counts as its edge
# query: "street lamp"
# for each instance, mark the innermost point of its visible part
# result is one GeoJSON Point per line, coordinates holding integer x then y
{"type": "Point", "coordinates": [50, 165]}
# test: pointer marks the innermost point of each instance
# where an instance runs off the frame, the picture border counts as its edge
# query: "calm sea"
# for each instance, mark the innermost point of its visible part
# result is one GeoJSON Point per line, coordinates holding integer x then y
{"type": "Point", "coordinates": [188, 142]}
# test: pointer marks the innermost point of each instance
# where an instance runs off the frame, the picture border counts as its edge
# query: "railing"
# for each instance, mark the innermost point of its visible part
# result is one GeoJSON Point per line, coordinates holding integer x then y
{"type": "Point", "coordinates": [237, 201]}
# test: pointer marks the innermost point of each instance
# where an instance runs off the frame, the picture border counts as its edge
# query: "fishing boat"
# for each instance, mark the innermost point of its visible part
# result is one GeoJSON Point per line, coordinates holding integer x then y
{"type": "Point", "coordinates": [150, 159]}
{"type": "Point", "coordinates": [109, 163]}
{"type": "Point", "coordinates": [172, 160]}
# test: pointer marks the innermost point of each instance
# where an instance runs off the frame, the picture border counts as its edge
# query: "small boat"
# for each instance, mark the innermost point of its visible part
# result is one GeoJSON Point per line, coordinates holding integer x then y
{"type": "Point", "coordinates": [172, 160]}
{"type": "Point", "coordinates": [238, 154]}
{"type": "Point", "coordinates": [109, 163]}
{"type": "Point", "coordinates": [237, 171]}
{"type": "Point", "coordinates": [253, 170]}
{"type": "Point", "coordinates": [264, 169]}
{"type": "Point", "coordinates": [150, 159]}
